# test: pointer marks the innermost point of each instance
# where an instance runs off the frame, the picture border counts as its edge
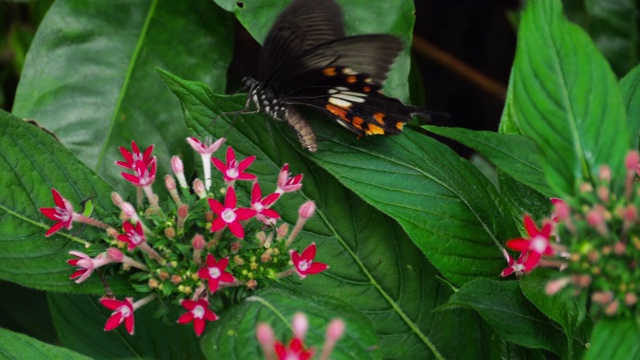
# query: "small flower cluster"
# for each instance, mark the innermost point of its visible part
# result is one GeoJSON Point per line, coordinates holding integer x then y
{"type": "Point", "coordinates": [596, 247]}
{"type": "Point", "coordinates": [179, 251]}
{"type": "Point", "coordinates": [273, 349]}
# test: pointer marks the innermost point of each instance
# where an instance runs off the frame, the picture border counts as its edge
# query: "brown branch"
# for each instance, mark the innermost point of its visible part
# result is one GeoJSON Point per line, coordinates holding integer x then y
{"type": "Point", "coordinates": [430, 51]}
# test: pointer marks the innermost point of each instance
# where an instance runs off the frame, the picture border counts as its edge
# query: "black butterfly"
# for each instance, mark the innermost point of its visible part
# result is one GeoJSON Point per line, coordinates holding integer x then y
{"type": "Point", "coordinates": [308, 60]}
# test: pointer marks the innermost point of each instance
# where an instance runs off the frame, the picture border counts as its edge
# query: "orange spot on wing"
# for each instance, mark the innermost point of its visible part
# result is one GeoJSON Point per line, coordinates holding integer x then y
{"type": "Point", "coordinates": [338, 111]}
{"type": "Point", "coordinates": [374, 130]}
{"type": "Point", "coordinates": [351, 79]}
{"type": "Point", "coordinates": [366, 89]}
{"type": "Point", "coordinates": [379, 117]}
{"type": "Point", "coordinates": [399, 125]}
{"type": "Point", "coordinates": [357, 121]}
{"type": "Point", "coordinates": [330, 71]}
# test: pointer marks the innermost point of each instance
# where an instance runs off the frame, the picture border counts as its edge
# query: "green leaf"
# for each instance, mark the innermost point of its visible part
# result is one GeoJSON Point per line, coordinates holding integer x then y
{"type": "Point", "coordinates": [513, 154]}
{"type": "Point", "coordinates": [80, 320]}
{"type": "Point", "coordinates": [18, 346]}
{"type": "Point", "coordinates": [33, 163]}
{"type": "Point", "coordinates": [613, 25]}
{"type": "Point", "coordinates": [629, 86]}
{"type": "Point", "coordinates": [615, 339]}
{"type": "Point", "coordinates": [391, 17]}
{"type": "Point", "coordinates": [510, 314]}
{"type": "Point", "coordinates": [232, 336]}
{"type": "Point", "coordinates": [373, 265]}
{"type": "Point", "coordinates": [566, 99]}
{"type": "Point", "coordinates": [89, 75]}
{"type": "Point", "coordinates": [568, 314]}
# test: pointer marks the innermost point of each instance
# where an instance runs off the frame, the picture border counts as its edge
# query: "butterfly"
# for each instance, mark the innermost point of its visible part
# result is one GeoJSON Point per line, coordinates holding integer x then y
{"type": "Point", "coordinates": [308, 60]}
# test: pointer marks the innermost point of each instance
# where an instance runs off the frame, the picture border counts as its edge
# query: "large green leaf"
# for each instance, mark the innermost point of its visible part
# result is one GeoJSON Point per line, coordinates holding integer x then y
{"type": "Point", "coordinates": [80, 320]}
{"type": "Point", "coordinates": [513, 154]}
{"type": "Point", "coordinates": [361, 17]}
{"type": "Point", "coordinates": [89, 75]}
{"type": "Point", "coordinates": [18, 346]}
{"type": "Point", "coordinates": [613, 25]}
{"type": "Point", "coordinates": [566, 98]}
{"type": "Point", "coordinates": [512, 317]}
{"type": "Point", "coordinates": [228, 338]}
{"type": "Point", "coordinates": [374, 266]}
{"type": "Point", "coordinates": [629, 85]}
{"type": "Point", "coordinates": [615, 339]}
{"type": "Point", "coordinates": [32, 163]}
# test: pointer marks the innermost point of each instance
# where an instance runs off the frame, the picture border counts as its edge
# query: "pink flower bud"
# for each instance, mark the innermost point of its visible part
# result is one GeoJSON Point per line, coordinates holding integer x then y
{"type": "Point", "coordinates": [115, 254]}
{"type": "Point", "coordinates": [561, 208]}
{"type": "Point", "coordinates": [336, 329]}
{"type": "Point", "coordinates": [612, 308]}
{"type": "Point", "coordinates": [554, 286]}
{"type": "Point", "coordinates": [198, 242]}
{"type": "Point", "coordinates": [116, 199]}
{"type": "Point", "coordinates": [605, 173]}
{"type": "Point", "coordinates": [307, 209]}
{"type": "Point", "coordinates": [128, 210]}
{"type": "Point", "coordinates": [631, 161]}
{"type": "Point", "coordinates": [169, 182]}
{"type": "Point", "coordinates": [596, 219]}
{"type": "Point", "coordinates": [300, 325]}
{"type": "Point", "coordinates": [199, 189]}
{"type": "Point", "coordinates": [630, 299]}
{"type": "Point", "coordinates": [267, 340]}
{"type": "Point", "coordinates": [251, 284]}
{"type": "Point", "coordinates": [176, 165]}
{"type": "Point", "coordinates": [183, 211]}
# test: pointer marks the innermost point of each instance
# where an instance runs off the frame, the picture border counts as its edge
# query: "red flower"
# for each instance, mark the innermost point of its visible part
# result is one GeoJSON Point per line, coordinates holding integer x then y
{"type": "Point", "coordinates": [233, 170]}
{"type": "Point", "coordinates": [286, 183]}
{"type": "Point", "coordinates": [214, 272]}
{"type": "Point", "coordinates": [134, 235]}
{"type": "Point", "coordinates": [122, 312]}
{"type": "Point", "coordinates": [62, 213]}
{"type": "Point", "coordinates": [228, 215]}
{"type": "Point", "coordinates": [205, 147]}
{"type": "Point", "coordinates": [261, 206]}
{"type": "Point", "coordinates": [132, 158]}
{"type": "Point", "coordinates": [198, 312]}
{"type": "Point", "coordinates": [304, 263]}
{"type": "Point", "coordinates": [535, 246]}
{"type": "Point", "coordinates": [144, 174]}
{"type": "Point", "coordinates": [295, 350]}
{"type": "Point", "coordinates": [515, 266]}
{"type": "Point", "coordinates": [86, 264]}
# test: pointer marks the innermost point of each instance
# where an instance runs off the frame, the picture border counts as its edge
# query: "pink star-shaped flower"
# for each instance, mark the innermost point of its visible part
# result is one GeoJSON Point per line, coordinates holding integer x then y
{"type": "Point", "coordinates": [286, 183]}
{"type": "Point", "coordinates": [261, 206]}
{"type": "Point", "coordinates": [228, 215]}
{"type": "Point", "coordinates": [304, 263]}
{"type": "Point", "coordinates": [197, 311]}
{"type": "Point", "coordinates": [143, 174]}
{"type": "Point", "coordinates": [295, 350]}
{"type": "Point", "coordinates": [86, 264]}
{"type": "Point", "coordinates": [62, 213]}
{"type": "Point", "coordinates": [214, 272]}
{"type": "Point", "coordinates": [131, 158]}
{"type": "Point", "coordinates": [122, 312]}
{"type": "Point", "coordinates": [234, 170]}
{"type": "Point", "coordinates": [535, 246]}
{"type": "Point", "coordinates": [205, 147]}
{"type": "Point", "coordinates": [134, 235]}
{"type": "Point", "coordinates": [515, 266]}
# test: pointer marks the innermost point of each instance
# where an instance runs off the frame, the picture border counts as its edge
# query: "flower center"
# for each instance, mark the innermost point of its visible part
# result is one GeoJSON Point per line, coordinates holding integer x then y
{"type": "Point", "coordinates": [124, 311]}
{"type": "Point", "coordinates": [198, 312]}
{"type": "Point", "coordinates": [136, 238]}
{"type": "Point", "coordinates": [62, 214]}
{"type": "Point", "coordinates": [214, 272]}
{"type": "Point", "coordinates": [228, 215]}
{"type": "Point", "coordinates": [538, 244]}
{"type": "Point", "coordinates": [304, 265]}
{"type": "Point", "coordinates": [258, 207]}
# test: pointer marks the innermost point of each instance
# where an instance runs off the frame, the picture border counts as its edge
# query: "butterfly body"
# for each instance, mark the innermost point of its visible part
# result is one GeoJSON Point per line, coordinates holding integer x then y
{"type": "Point", "coordinates": [308, 61]}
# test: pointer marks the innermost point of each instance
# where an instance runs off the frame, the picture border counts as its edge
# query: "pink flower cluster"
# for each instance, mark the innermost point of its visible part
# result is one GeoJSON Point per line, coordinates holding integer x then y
{"type": "Point", "coordinates": [139, 236]}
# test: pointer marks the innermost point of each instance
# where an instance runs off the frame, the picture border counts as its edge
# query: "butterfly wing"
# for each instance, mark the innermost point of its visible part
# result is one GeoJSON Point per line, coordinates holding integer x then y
{"type": "Point", "coordinates": [303, 25]}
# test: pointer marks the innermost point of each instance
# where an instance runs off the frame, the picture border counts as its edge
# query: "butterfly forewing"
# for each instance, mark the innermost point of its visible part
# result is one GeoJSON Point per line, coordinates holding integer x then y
{"type": "Point", "coordinates": [307, 60]}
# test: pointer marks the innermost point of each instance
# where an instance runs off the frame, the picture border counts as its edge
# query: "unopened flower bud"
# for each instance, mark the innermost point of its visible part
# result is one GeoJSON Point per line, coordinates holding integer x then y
{"type": "Point", "coordinates": [603, 194]}
{"type": "Point", "coordinates": [596, 219]}
{"type": "Point", "coordinates": [238, 260]}
{"type": "Point", "coordinates": [300, 325]}
{"type": "Point", "coordinates": [631, 161]}
{"type": "Point", "coordinates": [612, 308]}
{"type": "Point", "coordinates": [235, 247]}
{"type": "Point", "coordinates": [115, 254]}
{"type": "Point", "coordinates": [178, 170]}
{"type": "Point", "coordinates": [605, 173]}
{"type": "Point", "coordinates": [163, 275]}
{"type": "Point", "coordinates": [153, 283]}
{"type": "Point", "coordinates": [170, 232]}
{"type": "Point", "coordinates": [335, 330]}
{"type": "Point", "coordinates": [307, 209]}
{"type": "Point", "coordinates": [266, 256]}
{"type": "Point", "coordinates": [554, 286]}
{"type": "Point", "coordinates": [198, 242]}
{"type": "Point", "coordinates": [199, 189]}
{"type": "Point", "coordinates": [586, 188]}
{"type": "Point", "coordinates": [128, 211]}
{"type": "Point", "coordinates": [176, 279]}
{"type": "Point", "coordinates": [282, 231]}
{"type": "Point", "coordinates": [630, 299]}
{"type": "Point", "coordinates": [251, 284]}
{"type": "Point", "coordinates": [112, 232]}
{"type": "Point", "coordinates": [619, 248]}
{"type": "Point", "coordinates": [116, 199]}
{"type": "Point", "coordinates": [267, 340]}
